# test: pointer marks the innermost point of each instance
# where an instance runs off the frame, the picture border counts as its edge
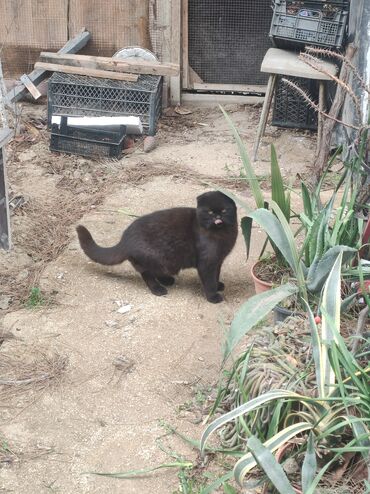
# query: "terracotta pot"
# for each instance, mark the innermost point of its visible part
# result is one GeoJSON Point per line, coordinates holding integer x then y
{"type": "Point", "coordinates": [259, 285]}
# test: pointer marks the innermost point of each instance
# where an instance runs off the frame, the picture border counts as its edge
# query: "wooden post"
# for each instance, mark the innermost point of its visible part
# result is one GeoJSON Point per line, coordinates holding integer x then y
{"type": "Point", "coordinates": [185, 43]}
{"type": "Point", "coordinates": [5, 237]}
{"type": "Point", "coordinates": [3, 116]}
{"type": "Point", "coordinates": [175, 82]}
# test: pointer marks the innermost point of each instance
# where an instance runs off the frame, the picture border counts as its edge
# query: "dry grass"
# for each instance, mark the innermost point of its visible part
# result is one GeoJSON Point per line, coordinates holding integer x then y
{"type": "Point", "coordinates": [11, 454]}
{"type": "Point", "coordinates": [28, 369]}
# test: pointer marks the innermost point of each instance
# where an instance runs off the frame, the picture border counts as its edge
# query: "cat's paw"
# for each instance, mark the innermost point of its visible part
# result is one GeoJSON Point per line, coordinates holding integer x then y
{"type": "Point", "coordinates": [159, 291]}
{"type": "Point", "coordinates": [166, 280]}
{"type": "Point", "coordinates": [215, 299]}
{"type": "Point", "coordinates": [220, 286]}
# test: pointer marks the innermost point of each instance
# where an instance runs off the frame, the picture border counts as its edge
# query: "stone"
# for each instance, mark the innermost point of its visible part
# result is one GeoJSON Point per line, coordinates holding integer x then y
{"type": "Point", "coordinates": [149, 144]}
{"type": "Point", "coordinates": [27, 155]}
{"type": "Point", "coordinates": [5, 302]}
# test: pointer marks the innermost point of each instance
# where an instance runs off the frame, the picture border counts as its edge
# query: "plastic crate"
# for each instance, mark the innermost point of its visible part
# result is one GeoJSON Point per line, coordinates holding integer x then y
{"type": "Point", "coordinates": [87, 141]}
{"type": "Point", "coordinates": [81, 95]}
{"type": "Point", "coordinates": [290, 109]}
{"type": "Point", "coordinates": [309, 22]}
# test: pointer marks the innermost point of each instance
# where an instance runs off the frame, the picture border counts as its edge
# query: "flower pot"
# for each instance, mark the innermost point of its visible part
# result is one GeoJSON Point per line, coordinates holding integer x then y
{"type": "Point", "coordinates": [259, 285]}
{"type": "Point", "coordinates": [281, 313]}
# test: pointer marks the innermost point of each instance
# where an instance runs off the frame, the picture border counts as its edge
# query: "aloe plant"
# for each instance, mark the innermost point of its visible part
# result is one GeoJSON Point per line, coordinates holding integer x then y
{"type": "Point", "coordinates": [280, 195]}
{"type": "Point", "coordinates": [324, 417]}
{"type": "Point", "coordinates": [324, 237]}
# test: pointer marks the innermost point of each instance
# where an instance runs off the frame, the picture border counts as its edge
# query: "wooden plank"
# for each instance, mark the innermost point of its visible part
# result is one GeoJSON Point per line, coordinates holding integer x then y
{"type": "Point", "coordinates": [212, 100]}
{"type": "Point", "coordinates": [30, 86]}
{"type": "Point", "coordinates": [113, 64]}
{"type": "Point", "coordinates": [242, 88]}
{"type": "Point", "coordinates": [185, 44]}
{"type": "Point", "coordinates": [176, 25]}
{"type": "Point", "coordinates": [5, 234]}
{"type": "Point", "coordinates": [193, 77]}
{"type": "Point", "coordinates": [36, 76]}
{"type": "Point", "coordinates": [104, 74]}
{"type": "Point", "coordinates": [5, 136]}
{"type": "Point", "coordinates": [114, 24]}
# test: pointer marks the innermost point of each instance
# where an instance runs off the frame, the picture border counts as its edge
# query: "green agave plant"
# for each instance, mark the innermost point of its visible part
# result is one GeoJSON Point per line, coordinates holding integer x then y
{"type": "Point", "coordinates": [279, 193]}
{"type": "Point", "coordinates": [324, 417]}
{"type": "Point", "coordinates": [312, 279]}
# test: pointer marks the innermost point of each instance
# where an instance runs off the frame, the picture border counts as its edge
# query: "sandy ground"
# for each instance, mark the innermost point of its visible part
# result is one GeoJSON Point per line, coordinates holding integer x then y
{"type": "Point", "coordinates": [127, 373]}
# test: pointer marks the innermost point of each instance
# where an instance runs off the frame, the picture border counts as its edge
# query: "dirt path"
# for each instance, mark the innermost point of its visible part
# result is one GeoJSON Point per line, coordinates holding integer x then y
{"type": "Point", "coordinates": [126, 373]}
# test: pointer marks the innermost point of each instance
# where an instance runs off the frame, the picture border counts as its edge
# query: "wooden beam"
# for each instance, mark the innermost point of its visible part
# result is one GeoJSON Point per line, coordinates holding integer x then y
{"type": "Point", "coordinates": [104, 74]}
{"type": "Point", "coordinates": [212, 100]}
{"type": "Point", "coordinates": [5, 234]}
{"type": "Point", "coordinates": [176, 25]}
{"type": "Point", "coordinates": [185, 44]}
{"type": "Point", "coordinates": [242, 88]}
{"type": "Point", "coordinates": [112, 64]}
{"type": "Point", "coordinates": [36, 76]}
{"type": "Point", "coordinates": [30, 86]}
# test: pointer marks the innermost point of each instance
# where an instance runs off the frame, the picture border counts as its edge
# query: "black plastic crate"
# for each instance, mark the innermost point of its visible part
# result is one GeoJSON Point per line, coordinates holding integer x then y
{"type": "Point", "coordinates": [87, 141]}
{"type": "Point", "coordinates": [319, 23]}
{"type": "Point", "coordinates": [290, 108]}
{"type": "Point", "coordinates": [81, 95]}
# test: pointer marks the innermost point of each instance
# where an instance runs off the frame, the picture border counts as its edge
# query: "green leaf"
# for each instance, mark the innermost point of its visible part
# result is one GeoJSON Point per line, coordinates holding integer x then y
{"type": "Point", "coordinates": [309, 464]}
{"type": "Point", "coordinates": [246, 225]}
{"type": "Point", "coordinates": [216, 483]}
{"type": "Point", "coordinates": [307, 203]}
{"type": "Point", "coordinates": [321, 267]}
{"type": "Point", "coordinates": [271, 467]}
{"type": "Point", "coordinates": [317, 353]}
{"type": "Point", "coordinates": [331, 302]}
{"type": "Point", "coordinates": [251, 405]}
{"type": "Point", "coordinates": [253, 311]}
{"type": "Point", "coordinates": [228, 489]}
{"type": "Point", "coordinates": [277, 185]}
{"type": "Point", "coordinates": [135, 473]}
{"type": "Point", "coordinates": [247, 462]}
{"type": "Point", "coordinates": [274, 229]}
{"type": "Point", "coordinates": [249, 171]}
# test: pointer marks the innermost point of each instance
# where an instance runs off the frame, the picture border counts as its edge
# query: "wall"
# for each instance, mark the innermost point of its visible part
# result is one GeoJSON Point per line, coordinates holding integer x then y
{"type": "Point", "coordinates": [30, 26]}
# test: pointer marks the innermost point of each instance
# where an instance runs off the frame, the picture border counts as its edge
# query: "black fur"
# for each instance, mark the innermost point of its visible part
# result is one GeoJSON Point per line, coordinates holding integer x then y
{"type": "Point", "coordinates": [160, 244]}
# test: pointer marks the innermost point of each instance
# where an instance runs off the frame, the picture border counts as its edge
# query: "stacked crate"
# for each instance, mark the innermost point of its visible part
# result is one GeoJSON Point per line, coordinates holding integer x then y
{"type": "Point", "coordinates": [296, 23]}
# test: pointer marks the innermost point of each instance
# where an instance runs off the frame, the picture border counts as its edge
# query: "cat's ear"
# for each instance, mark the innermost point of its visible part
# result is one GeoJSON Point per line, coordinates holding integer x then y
{"type": "Point", "coordinates": [199, 198]}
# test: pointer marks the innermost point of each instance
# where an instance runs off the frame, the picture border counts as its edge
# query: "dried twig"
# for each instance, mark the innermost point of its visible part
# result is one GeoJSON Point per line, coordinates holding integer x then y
{"type": "Point", "coordinates": [313, 62]}
{"type": "Point", "coordinates": [343, 59]}
{"type": "Point", "coordinates": [332, 116]}
{"type": "Point", "coordinates": [314, 105]}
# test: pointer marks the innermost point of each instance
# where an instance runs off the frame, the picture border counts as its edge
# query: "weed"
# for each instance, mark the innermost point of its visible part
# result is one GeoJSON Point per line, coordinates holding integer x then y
{"type": "Point", "coordinates": [35, 298]}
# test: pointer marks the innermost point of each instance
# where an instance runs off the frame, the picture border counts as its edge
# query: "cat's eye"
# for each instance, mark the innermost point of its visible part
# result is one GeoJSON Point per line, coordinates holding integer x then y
{"type": "Point", "coordinates": [210, 212]}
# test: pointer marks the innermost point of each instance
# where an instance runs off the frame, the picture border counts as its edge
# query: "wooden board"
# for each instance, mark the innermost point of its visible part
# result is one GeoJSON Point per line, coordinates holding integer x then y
{"type": "Point", "coordinates": [5, 236]}
{"type": "Point", "coordinates": [241, 88]}
{"type": "Point", "coordinates": [104, 74]}
{"type": "Point", "coordinates": [114, 24]}
{"type": "Point", "coordinates": [37, 76]}
{"type": "Point", "coordinates": [111, 64]}
{"type": "Point", "coordinates": [31, 23]}
{"type": "Point", "coordinates": [26, 81]}
{"type": "Point", "coordinates": [185, 44]}
{"type": "Point", "coordinates": [176, 25]}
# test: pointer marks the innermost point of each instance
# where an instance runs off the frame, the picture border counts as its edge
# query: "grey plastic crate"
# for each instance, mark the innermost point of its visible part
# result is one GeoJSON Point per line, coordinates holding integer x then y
{"type": "Point", "coordinates": [76, 95]}
{"type": "Point", "coordinates": [310, 22]}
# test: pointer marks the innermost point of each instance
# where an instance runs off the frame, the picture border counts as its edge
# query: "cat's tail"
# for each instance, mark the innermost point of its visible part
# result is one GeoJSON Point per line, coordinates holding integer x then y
{"type": "Point", "coordinates": [102, 255]}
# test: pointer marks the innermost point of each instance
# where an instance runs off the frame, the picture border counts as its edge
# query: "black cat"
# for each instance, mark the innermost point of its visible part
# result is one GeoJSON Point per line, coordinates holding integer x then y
{"type": "Point", "coordinates": [160, 244]}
